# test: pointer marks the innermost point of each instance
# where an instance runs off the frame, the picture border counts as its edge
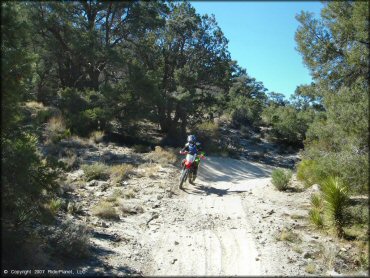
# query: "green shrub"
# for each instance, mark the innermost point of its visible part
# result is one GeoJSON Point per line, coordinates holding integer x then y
{"type": "Point", "coordinates": [208, 133]}
{"type": "Point", "coordinates": [335, 195]}
{"type": "Point", "coordinates": [28, 181]}
{"type": "Point", "coordinates": [281, 178]}
{"type": "Point", "coordinates": [310, 172]}
{"type": "Point", "coordinates": [97, 170]}
{"type": "Point", "coordinates": [69, 241]}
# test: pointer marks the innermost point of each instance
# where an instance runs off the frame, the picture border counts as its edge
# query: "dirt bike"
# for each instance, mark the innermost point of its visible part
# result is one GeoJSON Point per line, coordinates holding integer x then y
{"type": "Point", "coordinates": [188, 167]}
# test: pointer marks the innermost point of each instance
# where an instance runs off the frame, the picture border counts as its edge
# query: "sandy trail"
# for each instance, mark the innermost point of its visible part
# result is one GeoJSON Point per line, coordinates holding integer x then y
{"type": "Point", "coordinates": [210, 233]}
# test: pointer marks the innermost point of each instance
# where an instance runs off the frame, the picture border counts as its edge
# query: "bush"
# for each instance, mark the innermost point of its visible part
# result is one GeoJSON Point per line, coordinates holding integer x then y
{"type": "Point", "coordinates": [309, 172]}
{"type": "Point", "coordinates": [119, 173]}
{"type": "Point", "coordinates": [281, 178]}
{"type": "Point", "coordinates": [208, 134]}
{"type": "Point", "coordinates": [96, 170]}
{"type": "Point", "coordinates": [27, 179]}
{"type": "Point", "coordinates": [335, 195]}
{"type": "Point", "coordinates": [105, 210]}
{"type": "Point", "coordinates": [69, 240]}
{"type": "Point", "coordinates": [55, 130]}
{"type": "Point", "coordinates": [162, 156]}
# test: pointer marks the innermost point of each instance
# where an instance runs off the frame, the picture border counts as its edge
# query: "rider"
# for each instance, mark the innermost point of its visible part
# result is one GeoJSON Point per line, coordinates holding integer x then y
{"type": "Point", "coordinates": [192, 147]}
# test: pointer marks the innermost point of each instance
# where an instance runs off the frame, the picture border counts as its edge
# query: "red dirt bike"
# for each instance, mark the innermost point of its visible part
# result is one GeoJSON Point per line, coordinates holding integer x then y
{"type": "Point", "coordinates": [188, 166]}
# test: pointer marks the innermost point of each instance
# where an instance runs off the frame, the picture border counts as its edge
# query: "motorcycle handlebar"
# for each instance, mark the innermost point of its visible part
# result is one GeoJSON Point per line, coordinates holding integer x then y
{"type": "Point", "coordinates": [200, 155]}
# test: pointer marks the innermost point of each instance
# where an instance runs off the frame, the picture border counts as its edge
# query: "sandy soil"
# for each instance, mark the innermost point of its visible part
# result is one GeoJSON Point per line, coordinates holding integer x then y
{"type": "Point", "coordinates": [213, 235]}
{"type": "Point", "coordinates": [227, 224]}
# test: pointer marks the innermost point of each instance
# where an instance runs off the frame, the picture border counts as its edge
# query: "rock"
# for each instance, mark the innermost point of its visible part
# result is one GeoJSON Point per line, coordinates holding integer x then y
{"type": "Point", "coordinates": [103, 224]}
{"type": "Point", "coordinates": [159, 197]}
{"type": "Point", "coordinates": [333, 273]}
{"type": "Point", "coordinates": [176, 243]}
{"type": "Point", "coordinates": [343, 249]}
{"type": "Point", "coordinates": [228, 218]}
{"type": "Point", "coordinates": [307, 255]}
{"type": "Point", "coordinates": [173, 261]}
{"type": "Point", "coordinates": [257, 259]}
{"type": "Point", "coordinates": [315, 187]}
{"type": "Point", "coordinates": [92, 183]}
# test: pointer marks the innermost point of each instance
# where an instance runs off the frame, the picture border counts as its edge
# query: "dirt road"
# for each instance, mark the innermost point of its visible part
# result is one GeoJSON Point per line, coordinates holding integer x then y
{"type": "Point", "coordinates": [210, 233]}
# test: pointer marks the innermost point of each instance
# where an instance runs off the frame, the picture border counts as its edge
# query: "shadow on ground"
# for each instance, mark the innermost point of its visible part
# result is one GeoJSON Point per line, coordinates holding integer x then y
{"type": "Point", "coordinates": [209, 190]}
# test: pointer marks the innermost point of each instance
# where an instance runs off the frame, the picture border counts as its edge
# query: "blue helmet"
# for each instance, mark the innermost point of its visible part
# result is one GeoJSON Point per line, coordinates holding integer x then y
{"type": "Point", "coordinates": [192, 139]}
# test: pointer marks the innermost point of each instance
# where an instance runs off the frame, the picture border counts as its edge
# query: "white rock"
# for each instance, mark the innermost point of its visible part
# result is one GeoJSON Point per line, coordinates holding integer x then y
{"type": "Point", "coordinates": [92, 183]}
{"type": "Point", "coordinates": [333, 273]}
{"type": "Point", "coordinates": [315, 187]}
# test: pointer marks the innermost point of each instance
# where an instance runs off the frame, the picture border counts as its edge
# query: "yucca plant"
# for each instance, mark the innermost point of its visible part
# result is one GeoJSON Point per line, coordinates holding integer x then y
{"type": "Point", "coordinates": [335, 195]}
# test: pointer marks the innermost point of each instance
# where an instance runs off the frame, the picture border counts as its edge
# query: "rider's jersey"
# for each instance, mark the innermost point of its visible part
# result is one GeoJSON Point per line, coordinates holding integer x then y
{"type": "Point", "coordinates": [192, 148]}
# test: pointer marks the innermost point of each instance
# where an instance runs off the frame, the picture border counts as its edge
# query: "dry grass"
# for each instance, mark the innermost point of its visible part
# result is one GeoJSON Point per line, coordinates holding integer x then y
{"type": "Point", "coordinates": [34, 105]}
{"type": "Point", "coordinates": [54, 206]}
{"type": "Point", "coordinates": [105, 210]}
{"type": "Point", "coordinates": [131, 209]}
{"type": "Point", "coordinates": [74, 208]}
{"type": "Point", "coordinates": [55, 130]}
{"type": "Point", "coordinates": [288, 235]}
{"type": "Point", "coordinates": [96, 137]}
{"type": "Point", "coordinates": [70, 160]}
{"type": "Point", "coordinates": [310, 268]}
{"type": "Point", "coordinates": [115, 197]}
{"type": "Point", "coordinates": [129, 194]}
{"type": "Point", "coordinates": [297, 249]}
{"type": "Point", "coordinates": [297, 216]}
{"type": "Point", "coordinates": [96, 171]}
{"type": "Point", "coordinates": [162, 156]}
{"type": "Point", "coordinates": [119, 173]}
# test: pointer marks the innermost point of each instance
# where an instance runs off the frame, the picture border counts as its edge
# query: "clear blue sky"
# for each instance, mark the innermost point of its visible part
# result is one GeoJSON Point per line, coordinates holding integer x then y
{"type": "Point", "coordinates": [261, 39]}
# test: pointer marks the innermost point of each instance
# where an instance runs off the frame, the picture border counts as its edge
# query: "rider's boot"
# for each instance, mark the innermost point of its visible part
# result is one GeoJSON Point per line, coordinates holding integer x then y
{"type": "Point", "coordinates": [195, 173]}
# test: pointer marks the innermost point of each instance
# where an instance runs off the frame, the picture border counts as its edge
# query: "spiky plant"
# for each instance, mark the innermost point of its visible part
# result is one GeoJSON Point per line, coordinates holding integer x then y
{"type": "Point", "coordinates": [335, 195]}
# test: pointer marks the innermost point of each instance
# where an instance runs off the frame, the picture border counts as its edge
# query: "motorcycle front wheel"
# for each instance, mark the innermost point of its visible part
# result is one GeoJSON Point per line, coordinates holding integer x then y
{"type": "Point", "coordinates": [183, 176]}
